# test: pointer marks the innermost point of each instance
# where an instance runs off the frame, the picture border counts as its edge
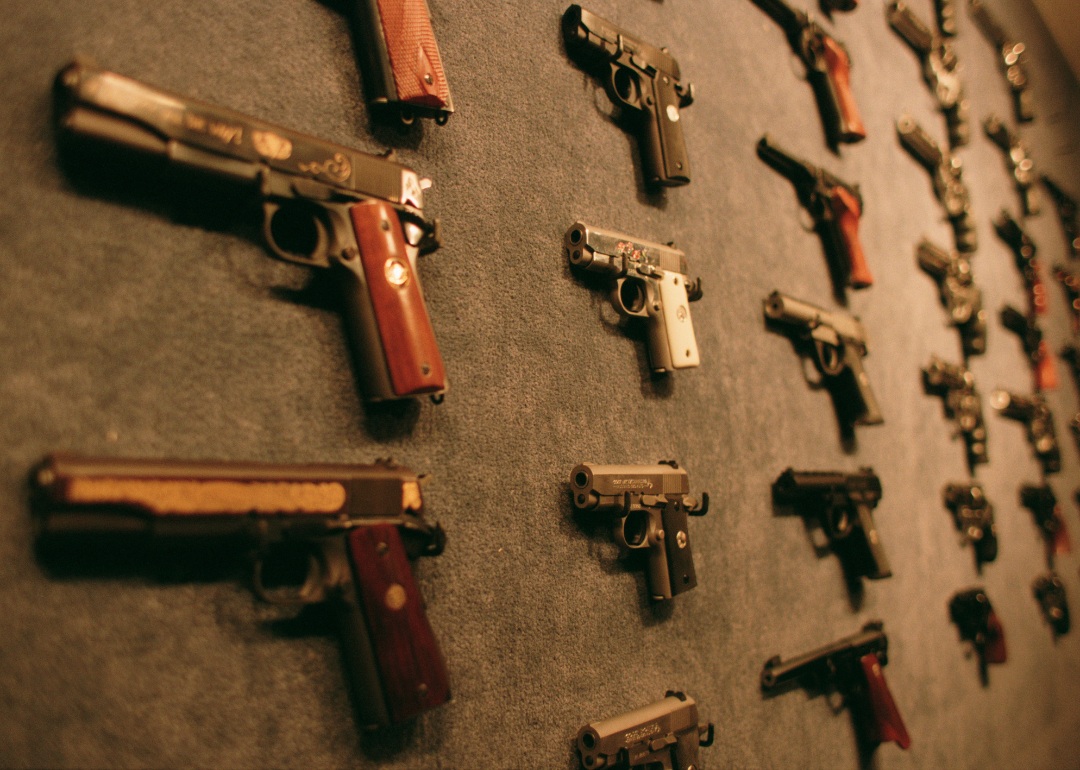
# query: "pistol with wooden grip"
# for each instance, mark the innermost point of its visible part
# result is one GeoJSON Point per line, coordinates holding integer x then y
{"type": "Point", "coordinates": [400, 61]}
{"type": "Point", "coordinates": [852, 666]}
{"type": "Point", "coordinates": [840, 342]}
{"type": "Point", "coordinates": [648, 506]}
{"type": "Point", "coordinates": [843, 503]}
{"type": "Point", "coordinates": [1045, 509]}
{"type": "Point", "coordinates": [828, 68]}
{"type": "Point", "coordinates": [979, 625]}
{"type": "Point", "coordinates": [835, 206]}
{"type": "Point", "coordinates": [961, 297]}
{"type": "Point", "coordinates": [941, 69]}
{"type": "Point", "coordinates": [323, 205]}
{"type": "Point", "coordinates": [643, 79]}
{"type": "Point", "coordinates": [665, 734]}
{"type": "Point", "coordinates": [340, 534]}
{"type": "Point", "coordinates": [1037, 349]}
{"type": "Point", "coordinates": [651, 282]}
{"type": "Point", "coordinates": [956, 386]}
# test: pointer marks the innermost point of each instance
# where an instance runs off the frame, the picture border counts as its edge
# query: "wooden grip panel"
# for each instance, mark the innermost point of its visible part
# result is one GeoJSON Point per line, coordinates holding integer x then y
{"type": "Point", "coordinates": [409, 661]}
{"type": "Point", "coordinates": [414, 57]}
{"type": "Point", "coordinates": [885, 719]}
{"type": "Point", "coordinates": [846, 209]}
{"type": "Point", "coordinates": [838, 70]}
{"type": "Point", "coordinates": [412, 356]}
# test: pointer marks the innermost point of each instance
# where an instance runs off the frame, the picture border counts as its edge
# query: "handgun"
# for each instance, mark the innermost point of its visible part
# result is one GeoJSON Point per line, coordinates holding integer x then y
{"type": "Point", "coordinates": [974, 516]}
{"type": "Point", "coordinates": [332, 533]}
{"type": "Point", "coordinates": [828, 68]}
{"type": "Point", "coordinates": [843, 503]}
{"type": "Point", "coordinates": [1034, 412]}
{"type": "Point", "coordinates": [1069, 213]}
{"type": "Point", "coordinates": [1013, 59]}
{"type": "Point", "coordinates": [400, 61]}
{"type": "Point", "coordinates": [1049, 591]}
{"type": "Point", "coordinates": [840, 342]}
{"type": "Point", "coordinates": [1071, 354]}
{"type": "Point", "coordinates": [1045, 509]}
{"type": "Point", "coordinates": [940, 68]}
{"type": "Point", "coordinates": [852, 666]}
{"type": "Point", "coordinates": [980, 626]}
{"type": "Point", "coordinates": [643, 79]}
{"type": "Point", "coordinates": [1017, 161]}
{"type": "Point", "coordinates": [648, 506]}
{"type": "Point", "coordinates": [1070, 282]}
{"type": "Point", "coordinates": [652, 282]}
{"type": "Point", "coordinates": [946, 175]}
{"type": "Point", "coordinates": [835, 206]}
{"type": "Point", "coordinates": [956, 386]}
{"type": "Point", "coordinates": [961, 297]}
{"type": "Point", "coordinates": [665, 734]}
{"type": "Point", "coordinates": [1024, 251]}
{"type": "Point", "coordinates": [1035, 347]}
{"type": "Point", "coordinates": [323, 205]}
{"type": "Point", "coordinates": [946, 17]}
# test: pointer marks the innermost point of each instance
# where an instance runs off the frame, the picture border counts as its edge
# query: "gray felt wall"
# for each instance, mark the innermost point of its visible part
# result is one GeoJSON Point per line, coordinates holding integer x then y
{"type": "Point", "coordinates": [129, 329]}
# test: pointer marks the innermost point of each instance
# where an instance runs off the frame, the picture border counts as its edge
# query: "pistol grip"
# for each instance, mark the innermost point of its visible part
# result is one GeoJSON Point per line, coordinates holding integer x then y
{"type": "Point", "coordinates": [878, 566]}
{"type": "Point", "coordinates": [409, 354]}
{"type": "Point", "coordinates": [884, 717]}
{"type": "Point", "coordinates": [1045, 370]}
{"type": "Point", "coordinates": [846, 211]}
{"type": "Point", "coordinates": [389, 647]}
{"type": "Point", "coordinates": [849, 124]}
{"type": "Point", "coordinates": [679, 556]}
{"type": "Point", "coordinates": [678, 328]}
{"type": "Point", "coordinates": [663, 149]}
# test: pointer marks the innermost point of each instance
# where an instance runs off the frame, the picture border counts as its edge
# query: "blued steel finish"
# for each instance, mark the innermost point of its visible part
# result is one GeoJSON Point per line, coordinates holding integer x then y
{"type": "Point", "coordinates": [956, 386]}
{"type": "Point", "coordinates": [1024, 252]}
{"type": "Point", "coordinates": [843, 503]}
{"type": "Point", "coordinates": [961, 297]}
{"type": "Point", "coordinates": [1044, 507]}
{"type": "Point", "coordinates": [648, 506]}
{"type": "Point", "coordinates": [400, 61]}
{"type": "Point", "coordinates": [1069, 213]}
{"type": "Point", "coordinates": [1034, 412]}
{"type": "Point", "coordinates": [651, 282]}
{"type": "Point", "coordinates": [946, 175]}
{"type": "Point", "coordinates": [979, 625]}
{"type": "Point", "coordinates": [974, 516]}
{"type": "Point", "coordinates": [827, 68]}
{"type": "Point", "coordinates": [1035, 347]}
{"type": "Point", "coordinates": [840, 342]}
{"type": "Point", "coordinates": [843, 666]}
{"type": "Point", "coordinates": [316, 515]}
{"type": "Point", "coordinates": [940, 67]}
{"type": "Point", "coordinates": [1050, 593]}
{"type": "Point", "coordinates": [1017, 161]}
{"type": "Point", "coordinates": [835, 206]}
{"type": "Point", "coordinates": [1013, 60]}
{"type": "Point", "coordinates": [641, 78]}
{"type": "Point", "coordinates": [664, 734]}
{"type": "Point", "coordinates": [308, 190]}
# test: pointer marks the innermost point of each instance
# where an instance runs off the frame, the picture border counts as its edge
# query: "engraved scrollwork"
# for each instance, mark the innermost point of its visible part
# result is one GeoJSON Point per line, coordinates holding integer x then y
{"type": "Point", "coordinates": [337, 168]}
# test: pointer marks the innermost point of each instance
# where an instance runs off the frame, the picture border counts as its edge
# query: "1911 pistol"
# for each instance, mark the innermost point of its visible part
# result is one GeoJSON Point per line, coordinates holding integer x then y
{"type": "Point", "coordinates": [1018, 160]}
{"type": "Point", "coordinates": [1044, 507]}
{"type": "Point", "coordinates": [853, 667]}
{"type": "Point", "coordinates": [400, 61]}
{"type": "Point", "coordinates": [828, 68]}
{"type": "Point", "coordinates": [324, 206]}
{"type": "Point", "coordinates": [1034, 412]}
{"type": "Point", "coordinates": [961, 297]}
{"type": "Point", "coordinates": [843, 503]}
{"type": "Point", "coordinates": [642, 78]}
{"type": "Point", "coordinates": [946, 175]}
{"type": "Point", "coordinates": [835, 206]}
{"type": "Point", "coordinates": [956, 385]}
{"type": "Point", "coordinates": [978, 624]}
{"type": "Point", "coordinates": [840, 343]}
{"type": "Point", "coordinates": [345, 531]}
{"type": "Point", "coordinates": [652, 282]}
{"type": "Point", "coordinates": [665, 734]}
{"type": "Point", "coordinates": [941, 69]}
{"type": "Point", "coordinates": [1013, 59]}
{"type": "Point", "coordinates": [649, 506]}
{"type": "Point", "coordinates": [974, 516]}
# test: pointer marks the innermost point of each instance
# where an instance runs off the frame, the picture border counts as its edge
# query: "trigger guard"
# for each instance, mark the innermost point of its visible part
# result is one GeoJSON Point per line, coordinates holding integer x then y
{"type": "Point", "coordinates": [311, 591]}
{"type": "Point", "coordinates": [642, 295]}
{"type": "Point", "coordinates": [633, 98]}
{"type": "Point", "coordinates": [320, 249]}
{"type": "Point", "coordinates": [829, 359]}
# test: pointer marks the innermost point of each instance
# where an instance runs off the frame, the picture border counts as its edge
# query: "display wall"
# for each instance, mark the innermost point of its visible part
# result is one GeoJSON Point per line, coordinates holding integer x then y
{"type": "Point", "coordinates": [135, 326]}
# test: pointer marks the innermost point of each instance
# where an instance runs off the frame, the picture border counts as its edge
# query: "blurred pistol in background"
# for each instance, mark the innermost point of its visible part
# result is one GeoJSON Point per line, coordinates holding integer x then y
{"type": "Point", "coordinates": [1068, 213]}
{"type": "Point", "coordinates": [641, 78]}
{"type": "Point", "coordinates": [323, 206]}
{"type": "Point", "coordinates": [652, 282]}
{"type": "Point", "coordinates": [649, 506]}
{"type": "Point", "coordinates": [1012, 62]}
{"type": "Point", "coordinates": [1035, 413]}
{"type": "Point", "coordinates": [339, 534]}
{"type": "Point", "coordinates": [956, 386]}
{"type": "Point", "coordinates": [979, 625]}
{"type": "Point", "coordinates": [961, 297]}
{"type": "Point", "coordinates": [665, 734]}
{"type": "Point", "coordinates": [1018, 161]}
{"type": "Point", "coordinates": [1035, 347]}
{"type": "Point", "coordinates": [835, 206]}
{"type": "Point", "coordinates": [974, 516]}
